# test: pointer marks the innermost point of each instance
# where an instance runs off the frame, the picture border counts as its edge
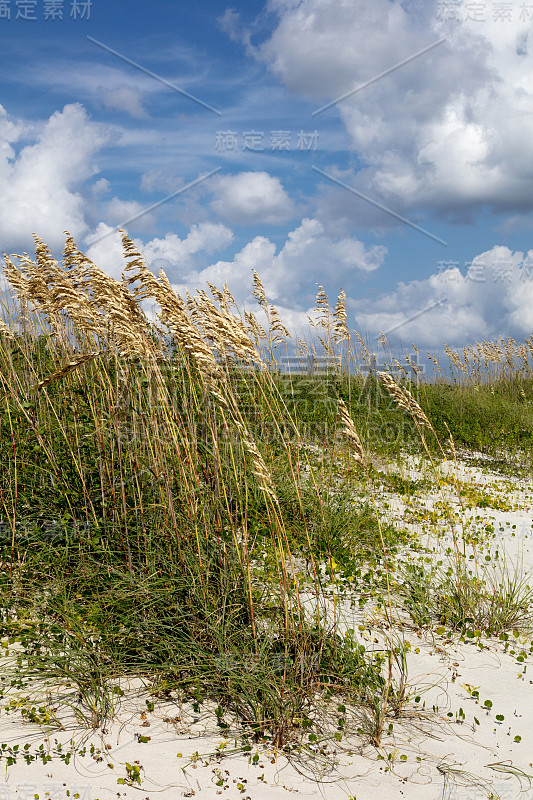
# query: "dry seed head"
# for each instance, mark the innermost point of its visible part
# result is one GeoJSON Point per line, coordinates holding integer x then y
{"type": "Point", "coordinates": [217, 294]}
{"type": "Point", "coordinates": [257, 330]}
{"type": "Point", "coordinates": [340, 327]}
{"type": "Point", "coordinates": [174, 315]}
{"type": "Point", "coordinates": [5, 331]}
{"type": "Point", "coordinates": [451, 443]}
{"type": "Point", "coordinates": [224, 297]}
{"type": "Point", "coordinates": [259, 290]}
{"type": "Point", "coordinates": [321, 310]}
{"type": "Point", "coordinates": [228, 297]}
{"type": "Point", "coordinates": [350, 432]}
{"type": "Point", "coordinates": [366, 354]}
{"type": "Point", "coordinates": [70, 367]}
{"type": "Point", "coordinates": [127, 325]}
{"type": "Point", "coordinates": [226, 330]}
{"type": "Point", "coordinates": [200, 314]}
{"type": "Point", "coordinates": [50, 288]}
{"type": "Point", "coordinates": [453, 355]}
{"type": "Point", "coordinates": [327, 348]}
{"type": "Point", "coordinates": [433, 358]}
{"type": "Point", "coordinates": [322, 300]}
{"type": "Point", "coordinates": [404, 399]}
{"type": "Point", "coordinates": [302, 347]}
{"type": "Point", "coordinates": [277, 326]}
{"type": "Point", "coordinates": [194, 314]}
{"type": "Point", "coordinates": [260, 468]}
{"type": "Point", "coordinates": [414, 366]}
{"type": "Point", "coordinates": [19, 283]}
{"type": "Point", "coordinates": [400, 367]}
{"type": "Point", "coordinates": [74, 260]}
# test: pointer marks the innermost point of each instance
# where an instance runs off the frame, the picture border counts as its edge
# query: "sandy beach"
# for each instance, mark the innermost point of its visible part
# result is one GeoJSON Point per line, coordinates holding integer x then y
{"type": "Point", "coordinates": [464, 731]}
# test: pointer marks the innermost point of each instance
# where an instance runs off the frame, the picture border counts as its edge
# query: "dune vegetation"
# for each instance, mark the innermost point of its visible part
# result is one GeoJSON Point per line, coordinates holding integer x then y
{"type": "Point", "coordinates": [176, 507]}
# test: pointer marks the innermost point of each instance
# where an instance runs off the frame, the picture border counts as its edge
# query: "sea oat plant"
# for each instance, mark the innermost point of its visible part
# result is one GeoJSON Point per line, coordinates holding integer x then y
{"type": "Point", "coordinates": [124, 439]}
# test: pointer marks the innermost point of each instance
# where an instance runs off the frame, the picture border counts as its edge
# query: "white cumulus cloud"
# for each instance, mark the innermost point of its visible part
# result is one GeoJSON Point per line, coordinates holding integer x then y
{"type": "Point", "coordinates": [252, 197]}
{"type": "Point", "coordinates": [174, 255]}
{"type": "Point", "coordinates": [41, 181]}
{"type": "Point", "coordinates": [491, 298]}
{"type": "Point", "coordinates": [309, 256]}
{"type": "Point", "coordinates": [450, 132]}
{"type": "Point", "coordinates": [124, 98]}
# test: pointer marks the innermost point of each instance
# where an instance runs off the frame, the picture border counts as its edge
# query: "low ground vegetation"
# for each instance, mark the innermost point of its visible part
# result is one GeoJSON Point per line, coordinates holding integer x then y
{"type": "Point", "coordinates": [175, 507]}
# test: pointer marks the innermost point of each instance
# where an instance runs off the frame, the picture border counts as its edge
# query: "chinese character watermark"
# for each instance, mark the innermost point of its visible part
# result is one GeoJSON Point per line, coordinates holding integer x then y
{"type": "Point", "coordinates": [26, 9]}
{"type": "Point", "coordinates": [307, 141]}
{"type": "Point", "coordinates": [32, 10]}
{"type": "Point", "coordinates": [53, 9]}
{"type": "Point", "coordinates": [280, 140]}
{"type": "Point", "coordinates": [254, 141]}
{"type": "Point", "coordinates": [80, 10]}
{"type": "Point", "coordinates": [448, 271]}
{"type": "Point", "coordinates": [466, 11]}
{"type": "Point", "coordinates": [226, 141]}
{"type": "Point", "coordinates": [475, 271]}
{"type": "Point", "coordinates": [502, 271]}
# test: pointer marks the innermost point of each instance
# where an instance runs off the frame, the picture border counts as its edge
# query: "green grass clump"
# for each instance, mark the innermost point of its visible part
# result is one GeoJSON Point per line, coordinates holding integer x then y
{"type": "Point", "coordinates": [494, 599]}
{"type": "Point", "coordinates": [483, 416]}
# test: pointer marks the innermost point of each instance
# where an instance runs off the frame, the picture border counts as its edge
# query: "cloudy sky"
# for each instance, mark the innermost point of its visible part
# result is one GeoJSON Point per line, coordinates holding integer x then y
{"type": "Point", "coordinates": [380, 146]}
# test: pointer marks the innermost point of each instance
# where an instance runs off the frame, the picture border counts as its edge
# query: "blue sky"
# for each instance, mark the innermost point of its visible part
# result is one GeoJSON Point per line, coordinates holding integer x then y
{"type": "Point", "coordinates": [441, 144]}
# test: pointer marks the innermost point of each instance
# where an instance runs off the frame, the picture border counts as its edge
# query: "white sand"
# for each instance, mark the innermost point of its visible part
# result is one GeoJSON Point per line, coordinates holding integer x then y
{"type": "Point", "coordinates": [446, 757]}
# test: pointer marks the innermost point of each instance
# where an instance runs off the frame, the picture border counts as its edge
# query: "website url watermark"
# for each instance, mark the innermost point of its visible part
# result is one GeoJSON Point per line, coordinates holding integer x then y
{"type": "Point", "coordinates": [52, 790]}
